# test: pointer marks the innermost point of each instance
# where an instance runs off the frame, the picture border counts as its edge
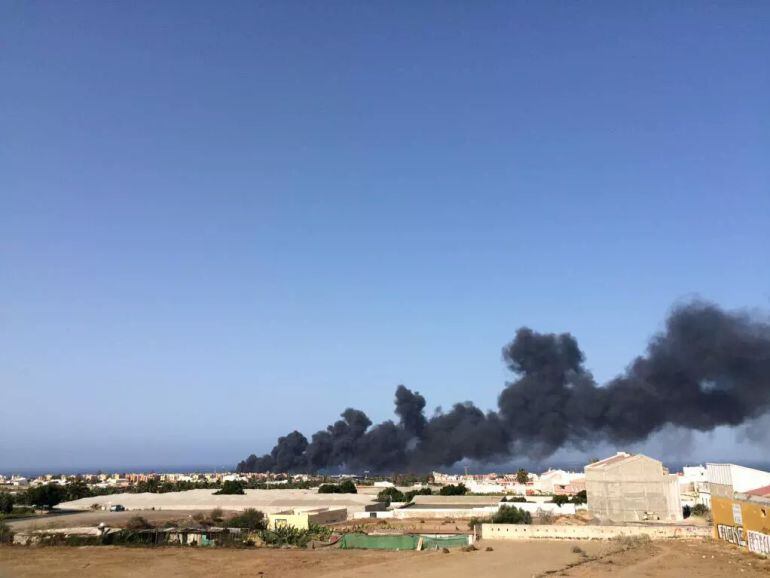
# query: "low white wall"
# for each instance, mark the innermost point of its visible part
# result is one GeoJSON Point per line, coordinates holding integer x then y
{"type": "Point", "coordinates": [366, 515]}
{"type": "Point", "coordinates": [405, 513]}
{"type": "Point", "coordinates": [482, 511]}
{"type": "Point", "coordinates": [556, 532]}
{"type": "Point", "coordinates": [563, 510]}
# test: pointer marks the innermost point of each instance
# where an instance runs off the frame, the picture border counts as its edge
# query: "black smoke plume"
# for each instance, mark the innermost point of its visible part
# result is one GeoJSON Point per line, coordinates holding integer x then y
{"type": "Point", "coordinates": [707, 368]}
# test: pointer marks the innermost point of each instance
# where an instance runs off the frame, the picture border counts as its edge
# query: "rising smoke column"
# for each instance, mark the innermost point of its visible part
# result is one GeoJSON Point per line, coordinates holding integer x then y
{"type": "Point", "coordinates": [707, 368]}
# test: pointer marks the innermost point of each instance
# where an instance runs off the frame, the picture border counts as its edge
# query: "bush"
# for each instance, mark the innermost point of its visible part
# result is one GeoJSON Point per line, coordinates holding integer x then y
{"type": "Point", "coordinates": [216, 515]}
{"type": "Point", "coordinates": [560, 499]}
{"type": "Point", "coordinates": [6, 503]}
{"type": "Point", "coordinates": [286, 536]}
{"type": "Point", "coordinates": [249, 519]}
{"type": "Point", "coordinates": [580, 498]}
{"type": "Point", "coordinates": [138, 523]}
{"type": "Point", "coordinates": [231, 487]}
{"type": "Point", "coordinates": [391, 495]}
{"type": "Point", "coordinates": [409, 496]}
{"type": "Point", "coordinates": [452, 490]}
{"type": "Point", "coordinates": [511, 515]}
{"type": "Point", "coordinates": [515, 499]}
{"type": "Point", "coordinates": [700, 510]}
{"type": "Point", "coordinates": [346, 487]}
{"type": "Point", "coordinates": [46, 496]}
{"type": "Point", "coordinates": [475, 521]}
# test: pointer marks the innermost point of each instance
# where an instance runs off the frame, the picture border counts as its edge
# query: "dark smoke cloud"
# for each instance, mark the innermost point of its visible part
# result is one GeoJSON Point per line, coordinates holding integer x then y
{"type": "Point", "coordinates": [706, 369]}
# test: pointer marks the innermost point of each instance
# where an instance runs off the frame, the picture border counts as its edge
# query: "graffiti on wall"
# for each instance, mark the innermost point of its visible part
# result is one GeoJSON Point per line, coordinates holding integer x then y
{"type": "Point", "coordinates": [758, 542]}
{"type": "Point", "coordinates": [733, 534]}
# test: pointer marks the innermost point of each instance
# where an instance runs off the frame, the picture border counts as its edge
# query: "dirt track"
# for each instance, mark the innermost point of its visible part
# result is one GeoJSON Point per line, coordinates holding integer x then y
{"type": "Point", "coordinates": [510, 559]}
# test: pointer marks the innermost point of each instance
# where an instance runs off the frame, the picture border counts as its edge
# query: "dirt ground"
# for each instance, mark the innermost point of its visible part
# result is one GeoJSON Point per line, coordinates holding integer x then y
{"type": "Point", "coordinates": [510, 559]}
{"type": "Point", "coordinates": [115, 519]}
{"type": "Point", "coordinates": [673, 559]}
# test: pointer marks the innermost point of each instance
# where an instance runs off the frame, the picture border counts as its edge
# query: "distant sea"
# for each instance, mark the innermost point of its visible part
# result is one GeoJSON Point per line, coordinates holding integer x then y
{"type": "Point", "coordinates": [536, 467]}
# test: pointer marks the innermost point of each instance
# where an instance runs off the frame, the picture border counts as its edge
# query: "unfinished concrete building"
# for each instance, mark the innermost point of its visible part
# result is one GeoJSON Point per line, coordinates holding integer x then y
{"type": "Point", "coordinates": [632, 488]}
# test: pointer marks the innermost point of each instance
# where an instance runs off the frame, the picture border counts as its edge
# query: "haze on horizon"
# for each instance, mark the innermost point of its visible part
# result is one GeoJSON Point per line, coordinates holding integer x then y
{"type": "Point", "coordinates": [220, 224]}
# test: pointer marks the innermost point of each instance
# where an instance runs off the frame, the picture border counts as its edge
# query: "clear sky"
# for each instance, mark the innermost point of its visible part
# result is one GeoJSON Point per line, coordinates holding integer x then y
{"type": "Point", "coordinates": [223, 221]}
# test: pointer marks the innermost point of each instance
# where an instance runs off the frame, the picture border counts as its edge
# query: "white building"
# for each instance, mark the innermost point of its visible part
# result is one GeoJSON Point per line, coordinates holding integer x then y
{"type": "Point", "coordinates": [556, 481]}
{"type": "Point", "coordinates": [724, 480]}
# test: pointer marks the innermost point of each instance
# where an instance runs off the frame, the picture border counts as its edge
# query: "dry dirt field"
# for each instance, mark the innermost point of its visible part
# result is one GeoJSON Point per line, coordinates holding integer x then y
{"type": "Point", "coordinates": [115, 519]}
{"type": "Point", "coordinates": [674, 559]}
{"type": "Point", "coordinates": [509, 559]}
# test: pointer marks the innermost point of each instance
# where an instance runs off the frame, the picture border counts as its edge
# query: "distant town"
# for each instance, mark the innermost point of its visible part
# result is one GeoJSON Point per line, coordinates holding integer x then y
{"type": "Point", "coordinates": [624, 501]}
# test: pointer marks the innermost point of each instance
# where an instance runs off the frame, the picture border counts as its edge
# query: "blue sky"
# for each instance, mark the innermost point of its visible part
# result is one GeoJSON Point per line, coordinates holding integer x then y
{"type": "Point", "coordinates": [222, 222]}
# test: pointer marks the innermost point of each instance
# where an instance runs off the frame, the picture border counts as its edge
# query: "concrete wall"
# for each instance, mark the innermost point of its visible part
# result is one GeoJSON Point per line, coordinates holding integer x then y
{"type": "Point", "coordinates": [557, 532]}
{"type": "Point", "coordinates": [328, 516]}
{"type": "Point", "coordinates": [480, 512]}
{"type": "Point", "coordinates": [635, 489]}
{"type": "Point", "coordinates": [483, 511]}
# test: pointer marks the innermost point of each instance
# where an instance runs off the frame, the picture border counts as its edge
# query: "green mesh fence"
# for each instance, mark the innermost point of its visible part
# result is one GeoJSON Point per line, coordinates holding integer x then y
{"type": "Point", "coordinates": [364, 541]}
{"type": "Point", "coordinates": [434, 543]}
{"type": "Point", "coordinates": [402, 542]}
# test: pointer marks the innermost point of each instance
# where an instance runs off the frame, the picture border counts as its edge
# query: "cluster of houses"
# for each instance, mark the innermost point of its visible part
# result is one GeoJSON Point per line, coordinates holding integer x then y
{"type": "Point", "coordinates": [126, 480]}
{"type": "Point", "coordinates": [551, 482]}
{"type": "Point", "coordinates": [620, 489]}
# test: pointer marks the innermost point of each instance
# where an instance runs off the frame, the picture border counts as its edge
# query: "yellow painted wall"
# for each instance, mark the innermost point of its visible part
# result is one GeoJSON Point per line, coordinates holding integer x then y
{"type": "Point", "coordinates": [751, 531]}
{"type": "Point", "coordinates": [298, 521]}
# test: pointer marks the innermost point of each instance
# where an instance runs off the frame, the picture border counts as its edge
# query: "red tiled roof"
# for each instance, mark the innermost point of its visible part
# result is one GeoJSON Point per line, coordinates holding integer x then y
{"type": "Point", "coordinates": [763, 492]}
{"type": "Point", "coordinates": [619, 457]}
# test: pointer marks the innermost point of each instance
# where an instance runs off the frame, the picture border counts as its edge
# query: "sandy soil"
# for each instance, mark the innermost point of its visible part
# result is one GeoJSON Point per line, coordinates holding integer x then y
{"type": "Point", "coordinates": [507, 559]}
{"type": "Point", "coordinates": [674, 559]}
{"type": "Point", "coordinates": [668, 559]}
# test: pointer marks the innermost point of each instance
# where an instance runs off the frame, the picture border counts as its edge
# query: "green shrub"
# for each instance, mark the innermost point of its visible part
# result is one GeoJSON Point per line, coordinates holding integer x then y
{"type": "Point", "coordinates": [231, 487]}
{"type": "Point", "coordinates": [249, 519]}
{"type": "Point", "coordinates": [451, 490]}
{"type": "Point", "coordinates": [560, 499]}
{"type": "Point", "coordinates": [511, 515]}
{"type": "Point", "coordinates": [580, 498]}
{"type": "Point", "coordinates": [409, 496]}
{"type": "Point", "coordinates": [700, 510]}
{"type": "Point", "coordinates": [286, 536]}
{"type": "Point", "coordinates": [346, 487]}
{"type": "Point", "coordinates": [475, 521]}
{"type": "Point", "coordinates": [6, 503]}
{"type": "Point", "coordinates": [391, 495]}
